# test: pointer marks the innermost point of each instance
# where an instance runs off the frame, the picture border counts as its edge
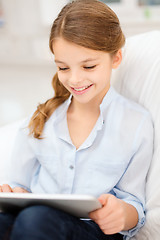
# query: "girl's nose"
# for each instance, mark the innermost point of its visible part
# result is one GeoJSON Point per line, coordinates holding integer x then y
{"type": "Point", "coordinates": [75, 78]}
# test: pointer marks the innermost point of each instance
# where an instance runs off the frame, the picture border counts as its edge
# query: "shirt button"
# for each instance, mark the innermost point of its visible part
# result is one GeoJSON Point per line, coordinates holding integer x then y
{"type": "Point", "coordinates": [71, 167]}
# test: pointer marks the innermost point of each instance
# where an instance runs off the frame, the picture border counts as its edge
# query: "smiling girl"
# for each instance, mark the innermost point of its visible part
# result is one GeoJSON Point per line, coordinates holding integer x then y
{"type": "Point", "coordinates": [87, 139]}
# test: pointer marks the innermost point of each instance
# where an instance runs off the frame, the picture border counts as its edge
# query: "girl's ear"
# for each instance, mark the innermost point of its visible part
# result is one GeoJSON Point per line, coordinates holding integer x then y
{"type": "Point", "coordinates": [117, 58]}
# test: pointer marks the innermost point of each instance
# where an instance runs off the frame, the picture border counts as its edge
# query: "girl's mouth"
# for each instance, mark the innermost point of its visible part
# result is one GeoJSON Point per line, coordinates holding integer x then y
{"type": "Point", "coordinates": [81, 90]}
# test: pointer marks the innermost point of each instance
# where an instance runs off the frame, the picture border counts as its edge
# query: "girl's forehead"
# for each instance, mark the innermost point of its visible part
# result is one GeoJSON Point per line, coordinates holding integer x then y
{"type": "Point", "coordinates": [61, 43]}
{"type": "Point", "coordinates": [65, 49]}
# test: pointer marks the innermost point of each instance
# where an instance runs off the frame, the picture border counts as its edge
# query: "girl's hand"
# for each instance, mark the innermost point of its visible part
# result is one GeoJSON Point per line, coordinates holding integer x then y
{"type": "Point", "coordinates": [115, 215]}
{"type": "Point", "coordinates": [7, 188]}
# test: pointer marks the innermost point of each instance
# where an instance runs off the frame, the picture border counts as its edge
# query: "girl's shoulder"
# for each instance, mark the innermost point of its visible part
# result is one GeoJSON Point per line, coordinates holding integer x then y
{"type": "Point", "coordinates": [130, 120]}
{"type": "Point", "coordinates": [129, 106]}
{"type": "Point", "coordinates": [127, 115]}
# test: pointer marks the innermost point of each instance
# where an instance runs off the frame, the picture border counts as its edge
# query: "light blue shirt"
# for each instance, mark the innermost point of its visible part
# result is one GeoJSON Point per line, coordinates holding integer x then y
{"type": "Point", "coordinates": [115, 157]}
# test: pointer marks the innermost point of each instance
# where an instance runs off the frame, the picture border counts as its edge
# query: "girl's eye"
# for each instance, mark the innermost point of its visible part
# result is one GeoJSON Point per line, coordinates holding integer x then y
{"type": "Point", "coordinates": [62, 69]}
{"type": "Point", "coordinates": [90, 67]}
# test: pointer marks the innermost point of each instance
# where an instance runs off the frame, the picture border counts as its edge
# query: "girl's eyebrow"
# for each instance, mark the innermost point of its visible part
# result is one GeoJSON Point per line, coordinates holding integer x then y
{"type": "Point", "coordinates": [89, 60]}
{"type": "Point", "coordinates": [57, 61]}
{"type": "Point", "coordinates": [84, 61]}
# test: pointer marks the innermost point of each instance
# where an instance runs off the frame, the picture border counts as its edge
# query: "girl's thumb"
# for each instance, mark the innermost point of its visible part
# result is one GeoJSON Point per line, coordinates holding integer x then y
{"type": "Point", "coordinates": [103, 199]}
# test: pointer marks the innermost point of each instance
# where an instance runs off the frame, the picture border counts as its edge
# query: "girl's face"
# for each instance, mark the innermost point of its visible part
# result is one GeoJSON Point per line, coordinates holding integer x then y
{"type": "Point", "coordinates": [84, 72]}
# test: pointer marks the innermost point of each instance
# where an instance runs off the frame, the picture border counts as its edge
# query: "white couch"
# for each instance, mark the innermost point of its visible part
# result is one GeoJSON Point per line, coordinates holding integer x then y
{"type": "Point", "coordinates": [137, 78]}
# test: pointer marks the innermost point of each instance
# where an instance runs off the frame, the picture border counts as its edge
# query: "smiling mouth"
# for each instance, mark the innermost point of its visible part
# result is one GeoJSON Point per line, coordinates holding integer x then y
{"type": "Point", "coordinates": [81, 88]}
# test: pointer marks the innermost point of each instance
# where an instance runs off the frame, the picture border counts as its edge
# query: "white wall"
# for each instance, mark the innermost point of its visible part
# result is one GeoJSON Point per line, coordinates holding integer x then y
{"type": "Point", "coordinates": [22, 88]}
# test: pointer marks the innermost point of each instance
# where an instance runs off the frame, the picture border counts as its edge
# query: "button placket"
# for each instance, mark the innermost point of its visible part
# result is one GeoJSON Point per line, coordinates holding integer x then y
{"type": "Point", "coordinates": [70, 172]}
{"type": "Point", "coordinates": [71, 167]}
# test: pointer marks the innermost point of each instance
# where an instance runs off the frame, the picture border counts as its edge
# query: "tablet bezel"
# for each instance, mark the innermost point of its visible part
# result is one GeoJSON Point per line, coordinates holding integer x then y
{"type": "Point", "coordinates": [74, 204]}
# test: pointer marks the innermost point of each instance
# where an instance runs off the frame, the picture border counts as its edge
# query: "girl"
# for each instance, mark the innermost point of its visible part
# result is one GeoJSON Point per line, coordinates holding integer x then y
{"type": "Point", "coordinates": [87, 139]}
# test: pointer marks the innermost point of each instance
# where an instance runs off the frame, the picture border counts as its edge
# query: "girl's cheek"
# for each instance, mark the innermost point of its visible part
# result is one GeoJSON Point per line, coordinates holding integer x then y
{"type": "Point", "coordinates": [63, 80]}
{"type": "Point", "coordinates": [60, 77]}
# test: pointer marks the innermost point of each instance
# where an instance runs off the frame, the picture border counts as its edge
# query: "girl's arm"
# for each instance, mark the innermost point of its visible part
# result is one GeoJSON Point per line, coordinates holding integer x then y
{"type": "Point", "coordinates": [115, 215]}
{"type": "Point", "coordinates": [22, 163]}
{"type": "Point", "coordinates": [125, 210]}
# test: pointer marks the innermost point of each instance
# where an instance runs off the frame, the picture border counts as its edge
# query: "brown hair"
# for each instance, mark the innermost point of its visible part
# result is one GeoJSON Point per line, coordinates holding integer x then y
{"type": "Point", "coordinates": [88, 23]}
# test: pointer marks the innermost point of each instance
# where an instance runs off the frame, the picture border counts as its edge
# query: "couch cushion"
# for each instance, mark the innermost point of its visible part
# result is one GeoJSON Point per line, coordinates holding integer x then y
{"type": "Point", "coordinates": [138, 78]}
{"type": "Point", "coordinates": [7, 136]}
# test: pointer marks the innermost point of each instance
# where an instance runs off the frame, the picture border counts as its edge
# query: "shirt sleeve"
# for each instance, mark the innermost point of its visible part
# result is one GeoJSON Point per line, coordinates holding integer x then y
{"type": "Point", "coordinates": [23, 163]}
{"type": "Point", "coordinates": [132, 185]}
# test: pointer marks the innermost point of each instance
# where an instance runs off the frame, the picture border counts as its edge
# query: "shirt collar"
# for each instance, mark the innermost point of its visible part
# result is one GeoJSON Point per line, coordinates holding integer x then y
{"type": "Point", "coordinates": [62, 109]}
{"type": "Point", "coordinates": [61, 127]}
{"type": "Point", "coordinates": [110, 95]}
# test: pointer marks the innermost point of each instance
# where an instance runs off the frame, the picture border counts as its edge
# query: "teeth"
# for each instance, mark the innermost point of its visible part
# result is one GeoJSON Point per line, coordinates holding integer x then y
{"type": "Point", "coordinates": [81, 89]}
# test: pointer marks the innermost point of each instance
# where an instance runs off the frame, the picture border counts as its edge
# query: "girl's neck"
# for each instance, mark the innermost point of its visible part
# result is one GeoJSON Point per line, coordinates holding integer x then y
{"type": "Point", "coordinates": [81, 119]}
{"type": "Point", "coordinates": [91, 107]}
{"type": "Point", "coordinates": [84, 108]}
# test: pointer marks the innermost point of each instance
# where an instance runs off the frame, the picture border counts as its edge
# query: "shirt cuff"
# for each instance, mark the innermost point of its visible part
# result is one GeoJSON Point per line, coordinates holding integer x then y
{"type": "Point", "coordinates": [13, 185]}
{"type": "Point", "coordinates": [141, 216]}
{"type": "Point", "coordinates": [130, 233]}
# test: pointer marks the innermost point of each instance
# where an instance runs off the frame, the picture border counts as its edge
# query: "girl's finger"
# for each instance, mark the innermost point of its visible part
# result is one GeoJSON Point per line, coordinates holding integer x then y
{"type": "Point", "coordinates": [19, 190]}
{"type": "Point", "coordinates": [6, 188]}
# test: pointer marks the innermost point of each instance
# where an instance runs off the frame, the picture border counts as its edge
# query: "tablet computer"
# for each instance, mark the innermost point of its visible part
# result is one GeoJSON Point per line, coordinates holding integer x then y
{"type": "Point", "coordinates": [77, 205]}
